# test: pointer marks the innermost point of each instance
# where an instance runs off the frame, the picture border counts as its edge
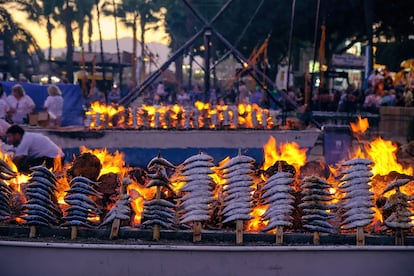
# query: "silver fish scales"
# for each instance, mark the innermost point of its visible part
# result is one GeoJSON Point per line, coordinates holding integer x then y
{"type": "Point", "coordinates": [160, 202]}
{"type": "Point", "coordinates": [237, 167]}
{"type": "Point", "coordinates": [357, 161]}
{"type": "Point", "coordinates": [198, 157]}
{"type": "Point", "coordinates": [236, 172]}
{"type": "Point", "coordinates": [197, 164]}
{"type": "Point", "coordinates": [195, 218]}
{"type": "Point", "coordinates": [277, 189]}
{"type": "Point", "coordinates": [198, 170]}
{"type": "Point", "coordinates": [235, 211]}
{"type": "Point", "coordinates": [239, 216]}
{"type": "Point", "coordinates": [235, 205]}
{"type": "Point", "coordinates": [356, 175]}
{"type": "Point", "coordinates": [357, 217]}
{"type": "Point", "coordinates": [237, 160]}
{"type": "Point", "coordinates": [279, 175]}
{"type": "Point", "coordinates": [197, 194]}
{"type": "Point", "coordinates": [276, 223]}
{"type": "Point", "coordinates": [396, 184]}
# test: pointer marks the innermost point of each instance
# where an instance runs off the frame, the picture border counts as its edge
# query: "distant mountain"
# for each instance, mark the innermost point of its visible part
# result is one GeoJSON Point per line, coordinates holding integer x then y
{"type": "Point", "coordinates": [125, 44]}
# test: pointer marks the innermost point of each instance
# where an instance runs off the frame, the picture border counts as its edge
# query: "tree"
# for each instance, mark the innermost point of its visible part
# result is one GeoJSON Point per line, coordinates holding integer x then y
{"type": "Point", "coordinates": [38, 11]}
{"type": "Point", "coordinates": [83, 13]}
{"type": "Point", "coordinates": [21, 52]}
{"type": "Point", "coordinates": [145, 12]}
{"type": "Point", "coordinates": [110, 8]}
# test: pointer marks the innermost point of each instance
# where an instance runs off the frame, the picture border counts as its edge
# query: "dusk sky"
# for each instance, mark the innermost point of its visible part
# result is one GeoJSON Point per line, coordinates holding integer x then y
{"type": "Point", "coordinates": [108, 31]}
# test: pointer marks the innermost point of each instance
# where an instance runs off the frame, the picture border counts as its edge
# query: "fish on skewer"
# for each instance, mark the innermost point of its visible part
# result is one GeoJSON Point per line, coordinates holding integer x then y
{"type": "Point", "coordinates": [316, 206]}
{"type": "Point", "coordinates": [277, 194]}
{"type": "Point", "coordinates": [356, 184]}
{"type": "Point", "coordinates": [41, 208]}
{"type": "Point", "coordinates": [158, 212]}
{"type": "Point", "coordinates": [82, 206]}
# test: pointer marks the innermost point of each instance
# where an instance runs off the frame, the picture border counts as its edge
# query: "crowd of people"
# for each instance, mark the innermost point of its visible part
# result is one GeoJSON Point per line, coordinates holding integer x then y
{"type": "Point", "coordinates": [382, 90]}
{"type": "Point", "coordinates": [16, 107]}
{"type": "Point", "coordinates": [164, 94]}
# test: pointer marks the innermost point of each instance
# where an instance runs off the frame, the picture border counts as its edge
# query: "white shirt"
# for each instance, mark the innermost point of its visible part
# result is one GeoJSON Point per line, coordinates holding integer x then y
{"type": "Point", "coordinates": [4, 108]}
{"type": "Point", "coordinates": [23, 107]}
{"type": "Point", "coordinates": [37, 145]}
{"type": "Point", "coordinates": [54, 105]}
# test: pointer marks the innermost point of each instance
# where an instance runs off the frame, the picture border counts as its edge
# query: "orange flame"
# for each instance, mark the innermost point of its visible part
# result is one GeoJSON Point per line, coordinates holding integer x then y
{"type": "Point", "coordinates": [289, 152]}
{"type": "Point", "coordinates": [256, 223]}
{"type": "Point", "coordinates": [383, 154]}
{"type": "Point", "coordinates": [202, 115]}
{"type": "Point", "coordinates": [104, 114]}
{"type": "Point", "coordinates": [111, 163]}
{"type": "Point", "coordinates": [139, 195]}
{"type": "Point", "coordinates": [360, 126]}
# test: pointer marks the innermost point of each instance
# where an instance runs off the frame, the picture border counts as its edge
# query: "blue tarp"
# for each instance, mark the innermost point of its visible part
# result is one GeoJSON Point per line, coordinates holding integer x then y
{"type": "Point", "coordinates": [72, 100]}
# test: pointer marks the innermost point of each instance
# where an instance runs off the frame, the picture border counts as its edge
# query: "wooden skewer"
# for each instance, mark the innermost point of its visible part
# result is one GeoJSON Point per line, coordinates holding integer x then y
{"type": "Point", "coordinates": [32, 233]}
{"type": "Point", "coordinates": [360, 236]}
{"type": "Point", "coordinates": [279, 229]}
{"type": "Point", "coordinates": [197, 231]}
{"type": "Point", "coordinates": [73, 232]}
{"type": "Point", "coordinates": [279, 235]}
{"type": "Point", "coordinates": [399, 237]}
{"type": "Point", "coordinates": [156, 229]}
{"type": "Point", "coordinates": [239, 232]}
{"type": "Point", "coordinates": [316, 238]}
{"type": "Point", "coordinates": [116, 224]}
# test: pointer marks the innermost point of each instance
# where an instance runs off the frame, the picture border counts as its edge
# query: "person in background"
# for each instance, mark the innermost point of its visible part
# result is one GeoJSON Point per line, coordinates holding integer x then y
{"type": "Point", "coordinates": [4, 106]}
{"type": "Point", "coordinates": [196, 94]}
{"type": "Point", "coordinates": [114, 95]}
{"type": "Point", "coordinates": [4, 126]}
{"type": "Point", "coordinates": [408, 98]}
{"type": "Point", "coordinates": [54, 105]}
{"type": "Point", "coordinates": [244, 93]}
{"type": "Point", "coordinates": [257, 96]}
{"type": "Point", "coordinates": [94, 96]}
{"type": "Point", "coordinates": [372, 101]}
{"type": "Point", "coordinates": [21, 105]}
{"type": "Point", "coordinates": [160, 94]}
{"type": "Point", "coordinates": [183, 98]}
{"type": "Point", "coordinates": [32, 149]}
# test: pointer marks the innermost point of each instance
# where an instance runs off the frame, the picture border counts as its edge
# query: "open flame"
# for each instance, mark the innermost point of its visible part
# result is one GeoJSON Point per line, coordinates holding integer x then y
{"type": "Point", "coordinates": [101, 115]}
{"type": "Point", "coordinates": [111, 163]}
{"type": "Point", "coordinates": [256, 223]}
{"type": "Point", "coordinates": [383, 153]}
{"type": "Point", "coordinates": [289, 152]}
{"type": "Point", "coordinates": [360, 126]}
{"type": "Point", "coordinates": [200, 116]}
{"type": "Point", "coordinates": [20, 178]}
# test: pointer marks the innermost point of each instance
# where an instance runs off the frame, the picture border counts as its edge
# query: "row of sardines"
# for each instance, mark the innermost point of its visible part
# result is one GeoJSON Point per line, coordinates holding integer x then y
{"type": "Point", "coordinates": [200, 198]}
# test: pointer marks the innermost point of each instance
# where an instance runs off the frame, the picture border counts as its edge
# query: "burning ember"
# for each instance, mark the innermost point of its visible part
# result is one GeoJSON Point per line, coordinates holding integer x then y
{"type": "Point", "coordinates": [200, 116]}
